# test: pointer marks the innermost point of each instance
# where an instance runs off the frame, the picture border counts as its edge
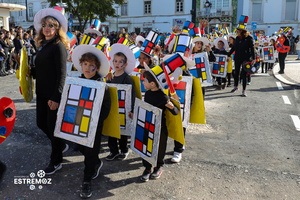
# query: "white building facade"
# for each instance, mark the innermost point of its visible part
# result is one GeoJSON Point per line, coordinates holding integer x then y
{"type": "Point", "coordinates": [24, 18]}
{"type": "Point", "coordinates": [144, 15]}
{"type": "Point", "coordinates": [271, 15]}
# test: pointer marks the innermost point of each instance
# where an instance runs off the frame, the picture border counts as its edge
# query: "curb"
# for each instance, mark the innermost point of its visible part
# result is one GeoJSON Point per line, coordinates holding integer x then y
{"type": "Point", "coordinates": [280, 77]}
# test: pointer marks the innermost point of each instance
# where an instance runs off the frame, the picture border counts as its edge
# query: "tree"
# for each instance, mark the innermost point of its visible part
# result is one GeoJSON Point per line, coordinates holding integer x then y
{"type": "Point", "coordinates": [86, 10]}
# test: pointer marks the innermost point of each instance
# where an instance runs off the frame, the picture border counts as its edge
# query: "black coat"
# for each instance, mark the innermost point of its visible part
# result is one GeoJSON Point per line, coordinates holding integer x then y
{"type": "Point", "coordinates": [244, 49]}
{"type": "Point", "coordinates": [50, 70]}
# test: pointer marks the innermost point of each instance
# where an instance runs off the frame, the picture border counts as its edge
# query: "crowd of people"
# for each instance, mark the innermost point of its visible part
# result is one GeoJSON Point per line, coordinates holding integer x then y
{"type": "Point", "coordinates": [49, 50]}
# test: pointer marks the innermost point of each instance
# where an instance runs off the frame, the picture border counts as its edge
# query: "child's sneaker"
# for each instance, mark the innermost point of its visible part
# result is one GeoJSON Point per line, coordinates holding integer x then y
{"type": "Point", "coordinates": [97, 169]}
{"type": "Point", "coordinates": [66, 148]}
{"type": "Point", "coordinates": [86, 191]}
{"type": "Point", "coordinates": [112, 156]}
{"type": "Point", "coordinates": [123, 156]}
{"type": "Point", "coordinates": [156, 173]}
{"type": "Point", "coordinates": [51, 169]}
{"type": "Point", "coordinates": [146, 175]}
{"type": "Point", "coordinates": [176, 157]}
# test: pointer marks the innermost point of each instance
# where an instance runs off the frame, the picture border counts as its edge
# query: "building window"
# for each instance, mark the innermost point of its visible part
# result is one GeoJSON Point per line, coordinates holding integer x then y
{"type": "Point", "coordinates": [290, 10]}
{"type": "Point", "coordinates": [179, 5]}
{"type": "Point", "coordinates": [44, 5]}
{"type": "Point", "coordinates": [20, 13]}
{"type": "Point", "coordinates": [257, 11]}
{"type": "Point", "coordinates": [219, 4]}
{"type": "Point", "coordinates": [30, 12]}
{"type": "Point", "coordinates": [124, 9]}
{"type": "Point", "coordinates": [147, 5]}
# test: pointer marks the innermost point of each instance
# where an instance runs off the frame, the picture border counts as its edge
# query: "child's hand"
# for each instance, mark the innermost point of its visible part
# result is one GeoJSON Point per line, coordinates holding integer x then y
{"type": "Point", "coordinates": [109, 76]}
{"type": "Point", "coordinates": [130, 115]}
{"type": "Point", "coordinates": [170, 105]}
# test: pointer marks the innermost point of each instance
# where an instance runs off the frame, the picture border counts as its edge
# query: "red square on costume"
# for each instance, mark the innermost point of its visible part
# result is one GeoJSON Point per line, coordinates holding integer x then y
{"type": "Point", "coordinates": [89, 104]}
{"type": "Point", "coordinates": [151, 128]}
{"type": "Point", "coordinates": [81, 103]}
{"type": "Point", "coordinates": [121, 104]}
{"type": "Point", "coordinates": [66, 127]}
{"type": "Point", "coordinates": [138, 145]}
{"type": "Point", "coordinates": [147, 125]}
{"type": "Point", "coordinates": [181, 85]}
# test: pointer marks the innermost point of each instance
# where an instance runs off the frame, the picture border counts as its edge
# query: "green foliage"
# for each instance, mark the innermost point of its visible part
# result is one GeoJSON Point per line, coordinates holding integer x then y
{"type": "Point", "coordinates": [86, 10]}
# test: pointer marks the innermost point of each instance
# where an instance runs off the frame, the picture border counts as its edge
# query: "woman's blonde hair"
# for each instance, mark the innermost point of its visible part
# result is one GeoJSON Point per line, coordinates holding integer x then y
{"type": "Point", "coordinates": [61, 35]}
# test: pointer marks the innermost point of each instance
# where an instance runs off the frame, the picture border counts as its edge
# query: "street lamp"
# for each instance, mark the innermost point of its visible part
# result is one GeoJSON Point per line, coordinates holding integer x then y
{"type": "Point", "coordinates": [117, 7]}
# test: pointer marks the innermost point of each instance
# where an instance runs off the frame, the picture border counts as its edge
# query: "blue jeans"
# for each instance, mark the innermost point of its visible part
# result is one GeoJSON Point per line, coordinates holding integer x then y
{"type": "Point", "coordinates": [298, 52]}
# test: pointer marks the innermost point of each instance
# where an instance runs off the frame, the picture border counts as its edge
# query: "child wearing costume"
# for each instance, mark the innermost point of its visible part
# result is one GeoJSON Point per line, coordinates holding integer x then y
{"type": "Point", "coordinates": [89, 60]}
{"type": "Point", "coordinates": [123, 62]}
{"type": "Point", "coordinates": [156, 97]}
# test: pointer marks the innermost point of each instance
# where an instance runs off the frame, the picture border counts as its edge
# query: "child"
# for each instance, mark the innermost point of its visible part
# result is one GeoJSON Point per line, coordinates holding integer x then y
{"type": "Point", "coordinates": [90, 60]}
{"type": "Point", "coordinates": [156, 97]}
{"type": "Point", "coordinates": [123, 63]}
{"type": "Point", "coordinates": [264, 64]}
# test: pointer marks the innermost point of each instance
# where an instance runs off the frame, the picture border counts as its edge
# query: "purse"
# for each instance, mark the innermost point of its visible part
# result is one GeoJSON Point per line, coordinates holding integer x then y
{"type": "Point", "coordinates": [248, 67]}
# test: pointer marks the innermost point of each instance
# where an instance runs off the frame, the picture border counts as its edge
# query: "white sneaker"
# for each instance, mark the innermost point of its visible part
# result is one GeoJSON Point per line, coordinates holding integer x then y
{"type": "Point", "coordinates": [176, 157]}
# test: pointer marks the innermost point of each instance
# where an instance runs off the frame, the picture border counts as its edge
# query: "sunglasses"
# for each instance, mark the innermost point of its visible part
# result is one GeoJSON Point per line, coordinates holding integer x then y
{"type": "Point", "coordinates": [47, 25]}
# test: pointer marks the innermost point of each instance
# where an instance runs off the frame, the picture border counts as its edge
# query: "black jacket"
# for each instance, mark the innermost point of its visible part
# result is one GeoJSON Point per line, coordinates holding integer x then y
{"type": "Point", "coordinates": [244, 49]}
{"type": "Point", "coordinates": [50, 70]}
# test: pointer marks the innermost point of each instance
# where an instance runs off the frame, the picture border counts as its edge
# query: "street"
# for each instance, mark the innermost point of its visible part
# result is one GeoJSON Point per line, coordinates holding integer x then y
{"type": "Point", "coordinates": [249, 149]}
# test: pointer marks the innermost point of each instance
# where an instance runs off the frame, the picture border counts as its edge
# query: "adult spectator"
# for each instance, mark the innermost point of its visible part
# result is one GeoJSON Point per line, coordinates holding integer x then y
{"type": "Point", "coordinates": [207, 6]}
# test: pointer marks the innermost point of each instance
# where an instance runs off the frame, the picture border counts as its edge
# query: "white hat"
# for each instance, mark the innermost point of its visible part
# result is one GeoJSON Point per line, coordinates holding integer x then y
{"type": "Point", "coordinates": [53, 13]}
{"type": "Point", "coordinates": [223, 40]}
{"type": "Point", "coordinates": [138, 39]}
{"type": "Point", "coordinates": [84, 48]}
{"type": "Point", "coordinates": [90, 30]}
{"type": "Point", "coordinates": [127, 52]}
{"type": "Point", "coordinates": [202, 39]}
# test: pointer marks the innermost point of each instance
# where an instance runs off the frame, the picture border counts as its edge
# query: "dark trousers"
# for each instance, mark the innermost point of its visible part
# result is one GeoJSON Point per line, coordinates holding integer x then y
{"type": "Point", "coordinates": [239, 73]}
{"type": "Point", "coordinates": [46, 120]}
{"type": "Point", "coordinates": [161, 150]}
{"type": "Point", "coordinates": [264, 67]}
{"type": "Point", "coordinates": [113, 144]}
{"type": "Point", "coordinates": [91, 156]}
{"type": "Point", "coordinates": [178, 147]}
{"type": "Point", "coordinates": [221, 80]}
{"type": "Point", "coordinates": [281, 58]}
{"type": "Point", "coordinates": [229, 78]}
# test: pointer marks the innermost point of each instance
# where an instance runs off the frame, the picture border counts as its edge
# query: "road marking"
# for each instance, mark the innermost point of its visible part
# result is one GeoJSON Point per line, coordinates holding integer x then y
{"type": "Point", "coordinates": [279, 86]}
{"type": "Point", "coordinates": [296, 121]}
{"type": "Point", "coordinates": [286, 99]}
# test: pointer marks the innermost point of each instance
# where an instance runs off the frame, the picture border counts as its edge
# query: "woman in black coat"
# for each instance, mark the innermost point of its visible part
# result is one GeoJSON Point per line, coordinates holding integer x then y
{"type": "Point", "coordinates": [50, 73]}
{"type": "Point", "coordinates": [244, 51]}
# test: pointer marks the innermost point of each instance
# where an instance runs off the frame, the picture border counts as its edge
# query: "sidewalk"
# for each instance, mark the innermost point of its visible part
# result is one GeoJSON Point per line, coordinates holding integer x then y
{"type": "Point", "coordinates": [291, 74]}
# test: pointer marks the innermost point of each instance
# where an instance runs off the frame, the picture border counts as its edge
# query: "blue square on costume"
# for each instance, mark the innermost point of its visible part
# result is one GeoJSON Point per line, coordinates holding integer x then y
{"type": "Point", "coordinates": [181, 95]}
{"type": "Point", "coordinates": [85, 92]}
{"type": "Point", "coordinates": [70, 114]}
{"type": "Point", "coordinates": [148, 117]}
{"type": "Point", "coordinates": [180, 48]}
{"type": "Point", "coordinates": [143, 87]}
{"type": "Point", "coordinates": [2, 130]}
{"type": "Point", "coordinates": [139, 134]}
{"type": "Point", "coordinates": [216, 67]}
{"type": "Point", "coordinates": [194, 72]}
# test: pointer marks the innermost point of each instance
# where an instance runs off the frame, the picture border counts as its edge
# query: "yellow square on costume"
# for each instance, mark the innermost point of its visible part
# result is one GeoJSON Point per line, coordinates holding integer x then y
{"type": "Point", "coordinates": [222, 69]}
{"type": "Point", "coordinates": [204, 76]}
{"type": "Point", "coordinates": [149, 145]}
{"type": "Point", "coordinates": [157, 70]}
{"type": "Point", "coordinates": [122, 119]}
{"type": "Point", "coordinates": [84, 124]}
